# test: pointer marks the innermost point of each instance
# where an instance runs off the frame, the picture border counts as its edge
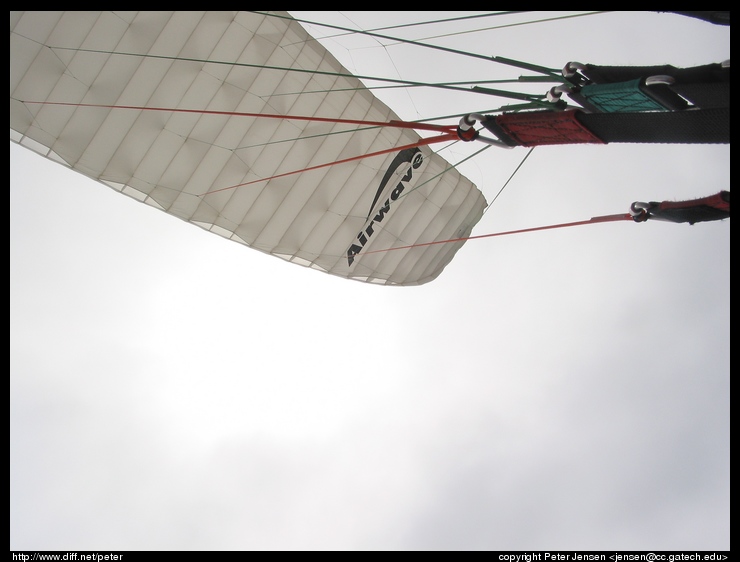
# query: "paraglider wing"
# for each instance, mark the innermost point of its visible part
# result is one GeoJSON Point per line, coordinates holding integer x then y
{"type": "Point", "coordinates": [170, 108]}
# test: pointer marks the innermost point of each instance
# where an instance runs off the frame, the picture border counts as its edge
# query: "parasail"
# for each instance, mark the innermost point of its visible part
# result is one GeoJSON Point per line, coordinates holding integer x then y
{"type": "Point", "coordinates": [244, 125]}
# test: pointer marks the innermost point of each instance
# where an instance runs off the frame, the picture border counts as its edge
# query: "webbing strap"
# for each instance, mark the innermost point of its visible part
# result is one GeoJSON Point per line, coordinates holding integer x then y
{"type": "Point", "coordinates": [712, 208]}
{"type": "Point", "coordinates": [621, 96]}
{"type": "Point", "coordinates": [706, 73]}
{"type": "Point", "coordinates": [537, 128]}
{"type": "Point", "coordinates": [706, 95]}
{"type": "Point", "coordinates": [695, 126]}
{"type": "Point", "coordinates": [703, 86]}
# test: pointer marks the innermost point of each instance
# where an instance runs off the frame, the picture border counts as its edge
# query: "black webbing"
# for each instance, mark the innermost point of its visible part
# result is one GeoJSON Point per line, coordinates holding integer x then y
{"type": "Point", "coordinates": [700, 126]}
{"type": "Point", "coordinates": [713, 72]}
{"type": "Point", "coordinates": [703, 86]}
{"type": "Point", "coordinates": [537, 128]}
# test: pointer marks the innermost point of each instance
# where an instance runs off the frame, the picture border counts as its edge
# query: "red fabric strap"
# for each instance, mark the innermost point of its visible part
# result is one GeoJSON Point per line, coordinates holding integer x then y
{"type": "Point", "coordinates": [538, 128]}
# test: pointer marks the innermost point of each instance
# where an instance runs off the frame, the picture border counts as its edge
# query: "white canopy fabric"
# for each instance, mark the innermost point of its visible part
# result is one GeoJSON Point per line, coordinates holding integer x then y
{"type": "Point", "coordinates": [208, 168]}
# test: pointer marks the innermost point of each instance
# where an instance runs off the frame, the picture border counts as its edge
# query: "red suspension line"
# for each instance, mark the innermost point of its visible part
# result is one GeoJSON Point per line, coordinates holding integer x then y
{"type": "Point", "coordinates": [392, 123]}
{"type": "Point", "coordinates": [422, 142]}
{"type": "Point", "coordinates": [449, 132]}
{"type": "Point", "coordinates": [593, 220]}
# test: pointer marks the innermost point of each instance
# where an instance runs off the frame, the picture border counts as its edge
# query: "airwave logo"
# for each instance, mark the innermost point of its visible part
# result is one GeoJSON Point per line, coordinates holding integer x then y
{"type": "Point", "coordinates": [410, 157]}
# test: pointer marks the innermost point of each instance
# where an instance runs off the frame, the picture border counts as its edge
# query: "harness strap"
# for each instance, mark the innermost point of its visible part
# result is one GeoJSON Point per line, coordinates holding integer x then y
{"type": "Point", "coordinates": [621, 97]}
{"type": "Point", "coordinates": [712, 208]}
{"type": "Point", "coordinates": [695, 126]}
{"type": "Point", "coordinates": [537, 128]}
{"type": "Point", "coordinates": [649, 88]}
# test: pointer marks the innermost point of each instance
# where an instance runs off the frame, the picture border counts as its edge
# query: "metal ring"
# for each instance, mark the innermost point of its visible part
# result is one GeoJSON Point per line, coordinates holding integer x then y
{"type": "Point", "coordinates": [572, 68]}
{"type": "Point", "coordinates": [659, 79]}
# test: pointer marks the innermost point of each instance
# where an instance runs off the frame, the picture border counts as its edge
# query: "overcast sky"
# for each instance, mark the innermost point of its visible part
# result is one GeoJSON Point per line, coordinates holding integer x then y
{"type": "Point", "coordinates": [565, 389]}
